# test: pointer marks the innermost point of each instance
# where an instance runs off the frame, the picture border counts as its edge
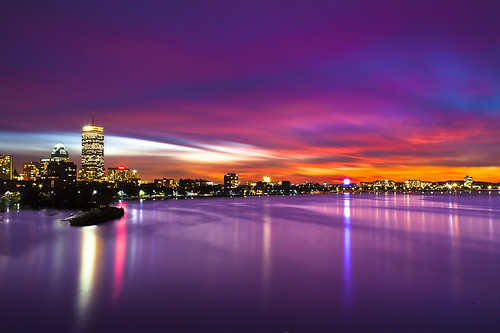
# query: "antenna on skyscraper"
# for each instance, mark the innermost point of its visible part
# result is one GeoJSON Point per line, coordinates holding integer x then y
{"type": "Point", "coordinates": [93, 124]}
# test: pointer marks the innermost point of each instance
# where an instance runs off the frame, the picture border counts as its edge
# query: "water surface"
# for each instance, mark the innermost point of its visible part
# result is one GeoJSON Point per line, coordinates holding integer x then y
{"type": "Point", "coordinates": [319, 263]}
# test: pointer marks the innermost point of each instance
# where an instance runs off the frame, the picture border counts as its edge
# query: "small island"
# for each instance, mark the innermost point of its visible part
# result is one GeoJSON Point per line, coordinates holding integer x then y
{"type": "Point", "coordinates": [96, 216]}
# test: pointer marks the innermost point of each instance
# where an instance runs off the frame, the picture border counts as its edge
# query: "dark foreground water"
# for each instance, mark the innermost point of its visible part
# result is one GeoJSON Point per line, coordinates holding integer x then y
{"type": "Point", "coordinates": [322, 263]}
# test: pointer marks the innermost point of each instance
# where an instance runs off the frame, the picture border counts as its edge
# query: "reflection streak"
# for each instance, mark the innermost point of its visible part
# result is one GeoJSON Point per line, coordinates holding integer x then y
{"type": "Point", "coordinates": [88, 253]}
{"type": "Point", "coordinates": [347, 257]}
{"type": "Point", "coordinates": [121, 243]}
{"type": "Point", "coordinates": [266, 251]}
{"type": "Point", "coordinates": [454, 234]}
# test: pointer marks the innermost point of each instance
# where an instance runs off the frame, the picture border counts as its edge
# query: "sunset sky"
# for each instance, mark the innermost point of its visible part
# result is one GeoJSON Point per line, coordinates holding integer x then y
{"type": "Point", "coordinates": [294, 90]}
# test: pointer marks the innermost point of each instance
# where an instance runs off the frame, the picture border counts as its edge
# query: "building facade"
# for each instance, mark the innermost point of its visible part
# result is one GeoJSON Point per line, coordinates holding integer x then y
{"type": "Point", "coordinates": [118, 174]}
{"type": "Point", "coordinates": [92, 153]}
{"type": "Point", "coordinates": [59, 153]}
{"type": "Point", "coordinates": [231, 180]}
{"type": "Point", "coordinates": [53, 172]}
{"type": "Point", "coordinates": [31, 171]}
{"type": "Point", "coordinates": [59, 174]}
{"type": "Point", "coordinates": [6, 167]}
{"type": "Point", "coordinates": [413, 183]}
{"type": "Point", "coordinates": [166, 182]}
{"type": "Point", "coordinates": [468, 181]}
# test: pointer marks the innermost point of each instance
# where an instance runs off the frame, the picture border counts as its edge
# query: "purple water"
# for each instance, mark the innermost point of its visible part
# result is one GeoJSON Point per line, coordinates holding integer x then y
{"type": "Point", "coordinates": [319, 263]}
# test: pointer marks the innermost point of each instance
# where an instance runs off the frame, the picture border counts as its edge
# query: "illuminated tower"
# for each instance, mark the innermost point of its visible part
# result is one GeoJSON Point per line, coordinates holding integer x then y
{"type": "Point", "coordinates": [59, 153]}
{"type": "Point", "coordinates": [92, 152]}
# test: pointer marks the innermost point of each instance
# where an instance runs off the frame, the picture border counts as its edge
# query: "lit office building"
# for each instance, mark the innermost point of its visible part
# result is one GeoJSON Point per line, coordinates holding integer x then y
{"type": "Point", "coordinates": [231, 180]}
{"type": "Point", "coordinates": [55, 171]}
{"type": "Point", "coordinates": [43, 166]}
{"type": "Point", "coordinates": [6, 167]}
{"type": "Point", "coordinates": [165, 182]}
{"type": "Point", "coordinates": [118, 174]}
{"type": "Point", "coordinates": [92, 152]}
{"type": "Point", "coordinates": [31, 171]}
{"type": "Point", "coordinates": [134, 175]}
{"type": "Point", "coordinates": [122, 174]}
{"type": "Point", "coordinates": [60, 173]}
{"type": "Point", "coordinates": [59, 153]}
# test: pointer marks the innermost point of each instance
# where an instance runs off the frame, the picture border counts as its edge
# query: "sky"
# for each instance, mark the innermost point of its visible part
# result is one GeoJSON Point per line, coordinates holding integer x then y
{"type": "Point", "coordinates": [294, 90]}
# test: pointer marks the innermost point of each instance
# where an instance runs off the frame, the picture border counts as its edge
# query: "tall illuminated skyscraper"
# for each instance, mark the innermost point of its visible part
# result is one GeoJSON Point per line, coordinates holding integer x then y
{"type": "Point", "coordinates": [92, 152]}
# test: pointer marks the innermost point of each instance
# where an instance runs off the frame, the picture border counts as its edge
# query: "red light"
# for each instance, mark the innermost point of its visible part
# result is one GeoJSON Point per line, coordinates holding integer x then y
{"type": "Point", "coordinates": [121, 167]}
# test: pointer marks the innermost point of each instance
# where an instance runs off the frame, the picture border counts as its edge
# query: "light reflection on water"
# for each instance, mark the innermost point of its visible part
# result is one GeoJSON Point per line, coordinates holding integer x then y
{"type": "Point", "coordinates": [266, 252]}
{"type": "Point", "coordinates": [120, 249]}
{"type": "Point", "coordinates": [89, 266]}
{"type": "Point", "coordinates": [321, 263]}
{"type": "Point", "coordinates": [348, 287]}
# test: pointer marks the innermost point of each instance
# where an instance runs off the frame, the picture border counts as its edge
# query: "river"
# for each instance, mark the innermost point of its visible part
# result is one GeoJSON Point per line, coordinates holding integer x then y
{"type": "Point", "coordinates": [310, 263]}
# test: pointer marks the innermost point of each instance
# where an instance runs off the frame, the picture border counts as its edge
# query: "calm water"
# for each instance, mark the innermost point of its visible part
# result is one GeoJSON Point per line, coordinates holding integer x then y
{"type": "Point", "coordinates": [322, 263]}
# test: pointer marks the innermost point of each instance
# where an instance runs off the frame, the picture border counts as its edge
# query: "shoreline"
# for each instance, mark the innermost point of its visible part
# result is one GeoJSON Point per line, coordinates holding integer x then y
{"type": "Point", "coordinates": [5, 208]}
{"type": "Point", "coordinates": [152, 198]}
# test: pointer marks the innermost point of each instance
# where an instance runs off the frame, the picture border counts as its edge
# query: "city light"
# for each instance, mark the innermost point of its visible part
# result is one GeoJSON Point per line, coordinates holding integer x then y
{"type": "Point", "coordinates": [217, 199]}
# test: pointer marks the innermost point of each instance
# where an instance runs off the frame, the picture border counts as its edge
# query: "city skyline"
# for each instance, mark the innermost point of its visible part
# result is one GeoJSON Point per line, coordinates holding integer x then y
{"type": "Point", "coordinates": [306, 91]}
{"type": "Point", "coordinates": [37, 171]}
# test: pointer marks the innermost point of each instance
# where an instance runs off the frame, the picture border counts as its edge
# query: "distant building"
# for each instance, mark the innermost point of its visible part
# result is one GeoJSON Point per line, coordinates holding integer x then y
{"type": "Point", "coordinates": [134, 176]}
{"type": "Point", "coordinates": [6, 168]}
{"type": "Point", "coordinates": [43, 166]}
{"type": "Point", "coordinates": [92, 152]}
{"type": "Point", "coordinates": [231, 180]}
{"type": "Point", "coordinates": [384, 183]}
{"type": "Point", "coordinates": [286, 184]}
{"type": "Point", "coordinates": [119, 174]}
{"type": "Point", "coordinates": [53, 172]}
{"type": "Point", "coordinates": [59, 174]}
{"type": "Point", "coordinates": [31, 171]}
{"type": "Point", "coordinates": [413, 183]}
{"type": "Point", "coordinates": [59, 153]}
{"type": "Point", "coordinates": [468, 181]}
{"type": "Point", "coordinates": [191, 185]}
{"type": "Point", "coordinates": [165, 182]}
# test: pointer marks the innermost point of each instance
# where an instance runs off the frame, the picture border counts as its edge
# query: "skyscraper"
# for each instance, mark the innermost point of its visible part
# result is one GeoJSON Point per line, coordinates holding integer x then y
{"type": "Point", "coordinates": [59, 153]}
{"type": "Point", "coordinates": [55, 171]}
{"type": "Point", "coordinates": [6, 167]}
{"type": "Point", "coordinates": [92, 152]}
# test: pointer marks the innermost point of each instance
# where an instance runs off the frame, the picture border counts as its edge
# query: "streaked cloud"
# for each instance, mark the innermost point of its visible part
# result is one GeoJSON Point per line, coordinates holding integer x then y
{"type": "Point", "coordinates": [301, 89]}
